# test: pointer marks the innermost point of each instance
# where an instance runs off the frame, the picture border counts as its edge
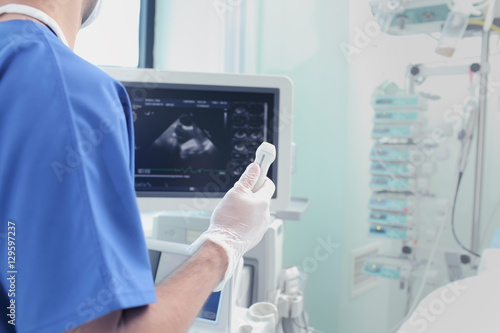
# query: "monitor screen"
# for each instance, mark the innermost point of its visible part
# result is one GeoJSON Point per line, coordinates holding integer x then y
{"type": "Point", "coordinates": [198, 139]}
{"type": "Point", "coordinates": [195, 133]}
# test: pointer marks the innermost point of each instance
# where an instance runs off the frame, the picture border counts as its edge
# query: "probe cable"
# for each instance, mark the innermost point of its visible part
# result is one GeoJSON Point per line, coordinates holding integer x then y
{"type": "Point", "coordinates": [453, 218]}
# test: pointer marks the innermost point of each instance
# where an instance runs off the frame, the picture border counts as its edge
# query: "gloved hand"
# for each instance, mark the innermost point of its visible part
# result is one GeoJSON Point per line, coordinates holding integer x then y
{"type": "Point", "coordinates": [240, 220]}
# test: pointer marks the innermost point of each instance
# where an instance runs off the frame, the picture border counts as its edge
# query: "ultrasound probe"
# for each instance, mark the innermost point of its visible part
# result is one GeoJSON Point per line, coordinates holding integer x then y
{"type": "Point", "coordinates": [264, 156]}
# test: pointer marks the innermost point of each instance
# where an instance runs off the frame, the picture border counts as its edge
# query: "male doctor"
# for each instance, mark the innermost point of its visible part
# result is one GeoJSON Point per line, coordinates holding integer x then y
{"type": "Point", "coordinates": [77, 260]}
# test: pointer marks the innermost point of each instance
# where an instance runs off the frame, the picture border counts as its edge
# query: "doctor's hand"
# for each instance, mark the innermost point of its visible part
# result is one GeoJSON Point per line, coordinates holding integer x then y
{"type": "Point", "coordinates": [240, 220]}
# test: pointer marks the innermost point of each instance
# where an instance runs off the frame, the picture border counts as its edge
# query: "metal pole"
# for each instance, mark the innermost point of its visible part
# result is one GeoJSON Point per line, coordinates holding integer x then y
{"type": "Point", "coordinates": [481, 121]}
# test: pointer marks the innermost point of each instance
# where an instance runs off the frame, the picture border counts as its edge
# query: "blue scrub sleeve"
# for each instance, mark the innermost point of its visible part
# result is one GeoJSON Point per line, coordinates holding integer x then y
{"type": "Point", "coordinates": [66, 175]}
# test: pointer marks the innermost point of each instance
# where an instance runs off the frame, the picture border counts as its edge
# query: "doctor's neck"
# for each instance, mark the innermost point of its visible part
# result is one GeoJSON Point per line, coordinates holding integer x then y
{"type": "Point", "coordinates": [68, 14]}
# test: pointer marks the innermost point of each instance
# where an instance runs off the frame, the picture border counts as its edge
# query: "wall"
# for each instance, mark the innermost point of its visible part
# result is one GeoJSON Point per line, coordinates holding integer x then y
{"type": "Point", "coordinates": [188, 37]}
{"type": "Point", "coordinates": [112, 40]}
{"type": "Point", "coordinates": [300, 39]}
{"type": "Point", "coordinates": [332, 124]}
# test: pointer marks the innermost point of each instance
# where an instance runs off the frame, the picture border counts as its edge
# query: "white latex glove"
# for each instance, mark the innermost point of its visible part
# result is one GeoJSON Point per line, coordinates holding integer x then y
{"type": "Point", "coordinates": [240, 220]}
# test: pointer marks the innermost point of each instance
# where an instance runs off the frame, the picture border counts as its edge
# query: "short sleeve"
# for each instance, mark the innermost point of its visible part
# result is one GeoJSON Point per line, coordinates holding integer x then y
{"type": "Point", "coordinates": [66, 168]}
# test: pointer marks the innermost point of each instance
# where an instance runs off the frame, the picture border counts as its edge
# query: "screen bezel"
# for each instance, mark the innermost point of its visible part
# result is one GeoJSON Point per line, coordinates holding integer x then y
{"type": "Point", "coordinates": [233, 96]}
{"type": "Point", "coordinates": [200, 201]}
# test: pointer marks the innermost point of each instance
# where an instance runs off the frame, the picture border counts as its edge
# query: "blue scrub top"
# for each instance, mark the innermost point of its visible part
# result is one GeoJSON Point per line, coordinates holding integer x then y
{"type": "Point", "coordinates": [66, 187]}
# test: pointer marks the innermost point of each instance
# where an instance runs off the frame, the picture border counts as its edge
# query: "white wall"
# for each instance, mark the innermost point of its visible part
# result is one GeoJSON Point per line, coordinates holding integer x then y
{"type": "Point", "coordinates": [189, 37]}
{"type": "Point", "coordinates": [113, 39]}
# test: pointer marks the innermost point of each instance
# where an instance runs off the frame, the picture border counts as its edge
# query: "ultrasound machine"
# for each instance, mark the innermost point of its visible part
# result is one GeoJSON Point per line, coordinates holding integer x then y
{"type": "Point", "coordinates": [195, 133]}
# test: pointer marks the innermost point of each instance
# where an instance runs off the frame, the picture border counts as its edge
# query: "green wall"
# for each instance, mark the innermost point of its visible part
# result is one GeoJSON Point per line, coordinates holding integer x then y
{"type": "Point", "coordinates": [300, 39]}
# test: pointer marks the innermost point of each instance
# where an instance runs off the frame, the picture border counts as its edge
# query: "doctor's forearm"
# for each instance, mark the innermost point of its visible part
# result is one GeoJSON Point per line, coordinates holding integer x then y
{"type": "Point", "coordinates": [182, 295]}
{"type": "Point", "coordinates": [179, 298]}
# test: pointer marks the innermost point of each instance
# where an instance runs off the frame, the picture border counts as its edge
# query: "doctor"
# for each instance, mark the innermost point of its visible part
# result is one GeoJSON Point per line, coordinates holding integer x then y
{"type": "Point", "coordinates": [67, 193]}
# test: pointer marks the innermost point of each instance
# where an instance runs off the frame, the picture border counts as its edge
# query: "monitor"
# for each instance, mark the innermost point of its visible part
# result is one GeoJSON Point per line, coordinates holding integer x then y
{"type": "Point", "coordinates": [165, 258]}
{"type": "Point", "coordinates": [195, 133]}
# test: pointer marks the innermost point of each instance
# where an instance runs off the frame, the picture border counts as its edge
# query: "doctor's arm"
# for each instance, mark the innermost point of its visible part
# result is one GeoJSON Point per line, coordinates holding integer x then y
{"type": "Point", "coordinates": [238, 224]}
{"type": "Point", "coordinates": [180, 298]}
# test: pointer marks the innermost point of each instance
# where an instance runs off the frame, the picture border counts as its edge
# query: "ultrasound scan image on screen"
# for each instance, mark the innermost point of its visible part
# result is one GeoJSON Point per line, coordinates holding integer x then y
{"type": "Point", "coordinates": [198, 139]}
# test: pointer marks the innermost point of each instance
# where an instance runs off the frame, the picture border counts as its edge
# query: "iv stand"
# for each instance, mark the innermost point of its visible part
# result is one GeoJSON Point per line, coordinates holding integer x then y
{"type": "Point", "coordinates": [423, 71]}
{"type": "Point", "coordinates": [481, 122]}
